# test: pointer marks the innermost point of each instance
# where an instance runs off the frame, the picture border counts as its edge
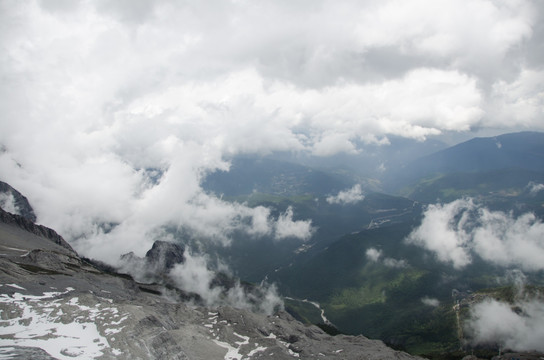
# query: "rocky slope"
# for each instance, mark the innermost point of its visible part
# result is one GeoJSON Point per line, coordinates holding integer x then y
{"type": "Point", "coordinates": [56, 305]}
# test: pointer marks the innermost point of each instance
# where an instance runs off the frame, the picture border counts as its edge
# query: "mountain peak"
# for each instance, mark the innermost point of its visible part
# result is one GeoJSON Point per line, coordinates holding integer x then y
{"type": "Point", "coordinates": [165, 253]}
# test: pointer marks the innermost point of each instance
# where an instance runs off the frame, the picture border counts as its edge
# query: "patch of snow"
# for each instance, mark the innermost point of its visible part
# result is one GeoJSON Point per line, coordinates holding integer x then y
{"type": "Point", "coordinates": [291, 352]}
{"type": "Point", "coordinates": [15, 249]}
{"type": "Point", "coordinates": [240, 343]}
{"type": "Point", "coordinates": [232, 352]}
{"type": "Point", "coordinates": [113, 331]}
{"type": "Point", "coordinates": [16, 286]}
{"type": "Point", "coordinates": [256, 350]}
{"type": "Point", "coordinates": [37, 323]}
{"type": "Point", "coordinates": [118, 322]}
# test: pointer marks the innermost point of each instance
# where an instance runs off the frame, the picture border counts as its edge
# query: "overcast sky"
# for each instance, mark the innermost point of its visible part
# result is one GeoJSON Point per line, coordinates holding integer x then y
{"type": "Point", "coordinates": [94, 92]}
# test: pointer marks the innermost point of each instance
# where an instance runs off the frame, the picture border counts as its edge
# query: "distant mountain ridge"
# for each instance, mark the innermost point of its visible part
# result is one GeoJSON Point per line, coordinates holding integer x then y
{"type": "Point", "coordinates": [523, 150]}
{"type": "Point", "coordinates": [270, 176]}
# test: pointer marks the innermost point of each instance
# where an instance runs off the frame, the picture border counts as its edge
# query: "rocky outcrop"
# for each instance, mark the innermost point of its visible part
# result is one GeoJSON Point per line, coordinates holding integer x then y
{"type": "Point", "coordinates": [19, 202]}
{"type": "Point", "coordinates": [39, 230]}
{"type": "Point", "coordinates": [155, 265]}
{"type": "Point", "coordinates": [164, 254]}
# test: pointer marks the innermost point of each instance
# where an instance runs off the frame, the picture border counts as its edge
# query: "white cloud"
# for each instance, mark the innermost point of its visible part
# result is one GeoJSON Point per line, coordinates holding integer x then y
{"type": "Point", "coordinates": [7, 203]}
{"type": "Point", "coordinates": [458, 230]}
{"type": "Point", "coordinates": [441, 233]}
{"type": "Point", "coordinates": [395, 263]}
{"type": "Point", "coordinates": [535, 188]}
{"type": "Point", "coordinates": [331, 144]}
{"type": "Point", "coordinates": [285, 227]}
{"type": "Point", "coordinates": [349, 196]}
{"type": "Point", "coordinates": [95, 93]}
{"type": "Point", "coordinates": [520, 100]}
{"type": "Point", "coordinates": [430, 301]}
{"type": "Point", "coordinates": [448, 28]}
{"type": "Point", "coordinates": [195, 275]}
{"type": "Point", "coordinates": [497, 322]}
{"type": "Point", "coordinates": [506, 241]}
{"type": "Point", "coordinates": [376, 255]}
{"type": "Point", "coordinates": [373, 254]}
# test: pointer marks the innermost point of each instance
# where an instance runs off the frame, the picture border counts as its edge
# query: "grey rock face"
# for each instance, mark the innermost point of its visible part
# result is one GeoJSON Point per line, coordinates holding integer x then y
{"type": "Point", "coordinates": [19, 202]}
{"type": "Point", "coordinates": [165, 254]}
{"type": "Point", "coordinates": [156, 264]}
{"type": "Point", "coordinates": [24, 353]}
{"type": "Point", "coordinates": [56, 305]}
{"type": "Point", "coordinates": [39, 230]}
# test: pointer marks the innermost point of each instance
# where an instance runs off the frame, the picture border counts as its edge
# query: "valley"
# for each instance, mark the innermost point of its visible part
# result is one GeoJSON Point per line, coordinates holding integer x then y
{"type": "Point", "coordinates": [56, 305]}
{"type": "Point", "coordinates": [374, 264]}
{"type": "Point", "coordinates": [359, 266]}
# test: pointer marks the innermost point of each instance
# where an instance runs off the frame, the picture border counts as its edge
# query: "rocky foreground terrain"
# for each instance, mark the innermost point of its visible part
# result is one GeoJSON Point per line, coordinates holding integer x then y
{"type": "Point", "coordinates": [56, 305]}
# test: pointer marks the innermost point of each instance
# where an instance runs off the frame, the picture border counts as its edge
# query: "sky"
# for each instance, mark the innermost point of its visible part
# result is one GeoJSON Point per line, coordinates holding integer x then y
{"type": "Point", "coordinates": [101, 99]}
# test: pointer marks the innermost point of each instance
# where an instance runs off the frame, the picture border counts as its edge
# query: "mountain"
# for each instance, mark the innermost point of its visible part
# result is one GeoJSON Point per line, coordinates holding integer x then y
{"type": "Point", "coordinates": [289, 174]}
{"type": "Point", "coordinates": [57, 305]}
{"type": "Point", "coordinates": [498, 189]}
{"type": "Point", "coordinates": [355, 275]}
{"type": "Point", "coordinates": [373, 160]}
{"type": "Point", "coordinates": [524, 151]}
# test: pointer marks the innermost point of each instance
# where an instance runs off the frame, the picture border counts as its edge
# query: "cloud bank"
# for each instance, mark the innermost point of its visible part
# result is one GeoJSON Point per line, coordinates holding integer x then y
{"type": "Point", "coordinates": [457, 231]}
{"type": "Point", "coordinates": [113, 112]}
